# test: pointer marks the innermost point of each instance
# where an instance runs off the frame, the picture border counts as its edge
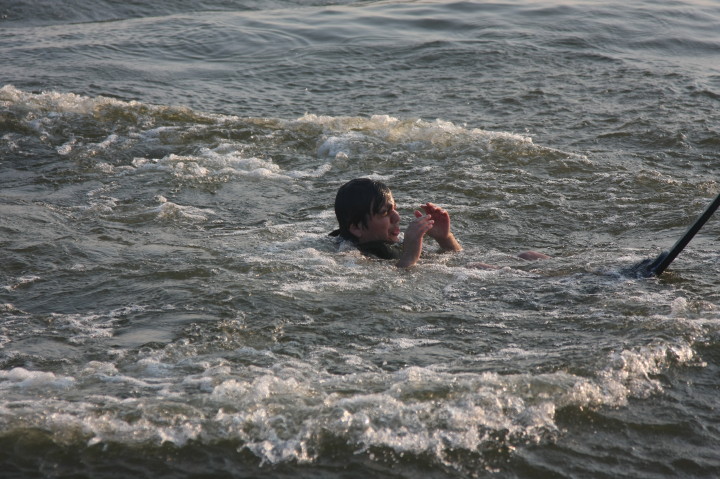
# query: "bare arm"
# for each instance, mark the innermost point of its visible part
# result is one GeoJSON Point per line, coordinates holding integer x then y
{"type": "Point", "coordinates": [412, 246]}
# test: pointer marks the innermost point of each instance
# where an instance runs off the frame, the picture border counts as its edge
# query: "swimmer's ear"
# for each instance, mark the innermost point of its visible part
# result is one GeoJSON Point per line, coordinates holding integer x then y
{"type": "Point", "coordinates": [356, 230]}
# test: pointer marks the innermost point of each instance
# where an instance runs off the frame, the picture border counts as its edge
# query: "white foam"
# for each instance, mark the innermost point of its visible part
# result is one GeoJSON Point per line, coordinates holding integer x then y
{"type": "Point", "coordinates": [66, 147]}
{"type": "Point", "coordinates": [48, 100]}
{"type": "Point", "coordinates": [79, 328]}
{"type": "Point", "coordinates": [679, 306]}
{"type": "Point", "coordinates": [628, 375]}
{"type": "Point", "coordinates": [232, 162]}
{"type": "Point", "coordinates": [395, 344]}
{"type": "Point", "coordinates": [9, 308]}
{"type": "Point", "coordinates": [58, 103]}
{"type": "Point", "coordinates": [173, 211]}
{"type": "Point", "coordinates": [97, 368]}
{"type": "Point", "coordinates": [22, 282]}
{"type": "Point", "coordinates": [262, 388]}
{"type": "Point", "coordinates": [278, 412]}
{"type": "Point", "coordinates": [209, 166]}
{"type": "Point", "coordinates": [24, 379]}
{"type": "Point", "coordinates": [171, 423]}
{"type": "Point", "coordinates": [352, 135]}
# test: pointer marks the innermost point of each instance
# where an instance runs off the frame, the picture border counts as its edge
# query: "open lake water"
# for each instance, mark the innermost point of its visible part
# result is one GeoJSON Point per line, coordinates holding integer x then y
{"type": "Point", "coordinates": [170, 302]}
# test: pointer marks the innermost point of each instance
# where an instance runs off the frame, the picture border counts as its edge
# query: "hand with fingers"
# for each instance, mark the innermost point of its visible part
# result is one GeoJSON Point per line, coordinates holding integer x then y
{"type": "Point", "coordinates": [440, 230]}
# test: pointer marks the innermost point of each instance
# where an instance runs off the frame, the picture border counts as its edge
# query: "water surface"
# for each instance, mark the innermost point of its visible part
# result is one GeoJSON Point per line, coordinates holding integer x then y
{"type": "Point", "coordinates": [171, 304]}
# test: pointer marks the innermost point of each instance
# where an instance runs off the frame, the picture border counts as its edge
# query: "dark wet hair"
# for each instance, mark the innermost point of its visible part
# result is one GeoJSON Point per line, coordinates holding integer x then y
{"type": "Point", "coordinates": [356, 201]}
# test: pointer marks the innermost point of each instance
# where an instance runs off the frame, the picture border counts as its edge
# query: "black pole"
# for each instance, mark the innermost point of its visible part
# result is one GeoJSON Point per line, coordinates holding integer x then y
{"type": "Point", "coordinates": [649, 268]}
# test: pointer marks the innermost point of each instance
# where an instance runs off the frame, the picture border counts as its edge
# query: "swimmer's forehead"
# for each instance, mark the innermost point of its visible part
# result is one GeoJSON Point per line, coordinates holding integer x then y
{"type": "Point", "coordinates": [388, 201]}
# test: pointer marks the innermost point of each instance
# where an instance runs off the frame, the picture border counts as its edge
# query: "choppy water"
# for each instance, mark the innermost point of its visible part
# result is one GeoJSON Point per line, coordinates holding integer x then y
{"type": "Point", "coordinates": [171, 305]}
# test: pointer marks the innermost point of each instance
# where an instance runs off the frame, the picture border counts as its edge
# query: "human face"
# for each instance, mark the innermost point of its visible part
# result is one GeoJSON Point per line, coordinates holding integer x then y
{"type": "Point", "coordinates": [381, 226]}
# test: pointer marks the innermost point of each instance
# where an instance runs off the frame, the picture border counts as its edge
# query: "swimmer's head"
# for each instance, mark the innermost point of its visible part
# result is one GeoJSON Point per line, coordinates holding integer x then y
{"type": "Point", "coordinates": [357, 201]}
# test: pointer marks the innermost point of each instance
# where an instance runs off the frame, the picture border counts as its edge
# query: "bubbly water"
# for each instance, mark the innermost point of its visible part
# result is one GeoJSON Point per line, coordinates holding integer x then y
{"type": "Point", "coordinates": [171, 304]}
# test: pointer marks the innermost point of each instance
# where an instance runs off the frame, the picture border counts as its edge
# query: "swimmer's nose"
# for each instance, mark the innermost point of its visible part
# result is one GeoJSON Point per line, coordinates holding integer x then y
{"type": "Point", "coordinates": [395, 216]}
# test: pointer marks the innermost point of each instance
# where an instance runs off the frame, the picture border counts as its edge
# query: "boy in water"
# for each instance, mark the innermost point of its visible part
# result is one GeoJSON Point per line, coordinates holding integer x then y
{"type": "Point", "coordinates": [366, 214]}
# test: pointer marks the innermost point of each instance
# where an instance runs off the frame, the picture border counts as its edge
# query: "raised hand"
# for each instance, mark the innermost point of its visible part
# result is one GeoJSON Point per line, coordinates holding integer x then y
{"type": "Point", "coordinates": [440, 231]}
